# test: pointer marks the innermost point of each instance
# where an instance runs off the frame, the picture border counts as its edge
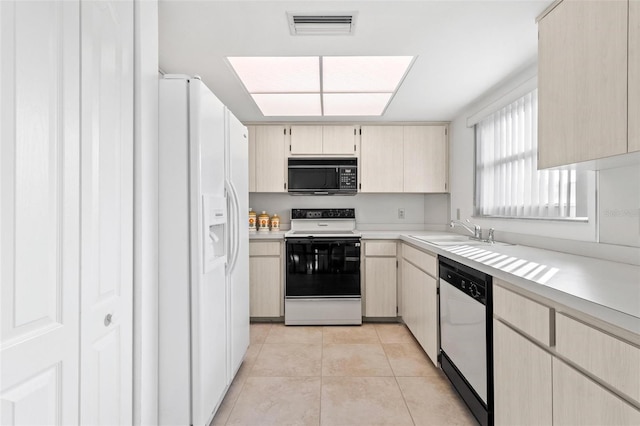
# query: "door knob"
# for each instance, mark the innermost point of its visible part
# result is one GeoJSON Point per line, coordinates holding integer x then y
{"type": "Point", "coordinates": [107, 320]}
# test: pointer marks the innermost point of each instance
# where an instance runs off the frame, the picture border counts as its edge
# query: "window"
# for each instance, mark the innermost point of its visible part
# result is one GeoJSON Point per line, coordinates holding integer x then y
{"type": "Point", "coordinates": [508, 183]}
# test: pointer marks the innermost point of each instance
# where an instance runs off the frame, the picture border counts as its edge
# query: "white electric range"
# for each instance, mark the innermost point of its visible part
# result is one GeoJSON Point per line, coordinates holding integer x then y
{"type": "Point", "coordinates": [322, 277]}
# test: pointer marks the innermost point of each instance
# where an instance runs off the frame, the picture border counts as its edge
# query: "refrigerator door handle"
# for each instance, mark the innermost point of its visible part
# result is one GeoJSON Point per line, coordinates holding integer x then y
{"type": "Point", "coordinates": [236, 227]}
{"type": "Point", "coordinates": [233, 224]}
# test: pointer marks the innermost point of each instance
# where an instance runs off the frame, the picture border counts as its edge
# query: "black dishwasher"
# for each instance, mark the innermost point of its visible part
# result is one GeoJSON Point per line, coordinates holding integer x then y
{"type": "Point", "coordinates": [466, 335]}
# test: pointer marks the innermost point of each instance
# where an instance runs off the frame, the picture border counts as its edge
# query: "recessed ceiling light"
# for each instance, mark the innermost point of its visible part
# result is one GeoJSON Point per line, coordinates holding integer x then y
{"type": "Point", "coordinates": [363, 73]}
{"type": "Point", "coordinates": [351, 85]}
{"type": "Point", "coordinates": [278, 75]}
{"type": "Point", "coordinates": [288, 104]}
{"type": "Point", "coordinates": [353, 104]}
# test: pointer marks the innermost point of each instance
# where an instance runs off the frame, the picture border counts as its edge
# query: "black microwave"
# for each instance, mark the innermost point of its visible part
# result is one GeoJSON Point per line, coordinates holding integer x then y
{"type": "Point", "coordinates": [323, 176]}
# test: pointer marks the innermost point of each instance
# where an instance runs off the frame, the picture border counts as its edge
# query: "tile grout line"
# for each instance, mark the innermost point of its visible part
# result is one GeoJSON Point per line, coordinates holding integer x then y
{"type": "Point", "coordinates": [395, 377]}
{"type": "Point", "coordinates": [404, 400]}
{"type": "Point", "coordinates": [233, 406]}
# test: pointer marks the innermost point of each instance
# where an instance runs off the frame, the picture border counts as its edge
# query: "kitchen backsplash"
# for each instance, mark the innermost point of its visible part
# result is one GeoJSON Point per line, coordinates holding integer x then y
{"type": "Point", "coordinates": [421, 211]}
{"type": "Point", "coordinates": [619, 206]}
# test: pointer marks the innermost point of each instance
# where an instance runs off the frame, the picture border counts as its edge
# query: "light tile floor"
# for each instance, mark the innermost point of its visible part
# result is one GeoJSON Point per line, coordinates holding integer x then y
{"type": "Point", "coordinates": [374, 374]}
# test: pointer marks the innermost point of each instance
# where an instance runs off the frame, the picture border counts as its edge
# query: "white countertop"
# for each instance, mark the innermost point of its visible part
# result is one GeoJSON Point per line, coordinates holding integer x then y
{"type": "Point", "coordinates": [606, 290]}
{"type": "Point", "coordinates": [268, 235]}
{"type": "Point", "coordinates": [609, 291]}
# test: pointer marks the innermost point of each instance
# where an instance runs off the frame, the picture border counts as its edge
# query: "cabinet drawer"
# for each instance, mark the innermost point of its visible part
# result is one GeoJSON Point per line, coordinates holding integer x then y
{"type": "Point", "coordinates": [422, 260]}
{"type": "Point", "coordinates": [264, 248]}
{"type": "Point", "coordinates": [380, 248]}
{"type": "Point", "coordinates": [528, 316]}
{"type": "Point", "coordinates": [608, 358]}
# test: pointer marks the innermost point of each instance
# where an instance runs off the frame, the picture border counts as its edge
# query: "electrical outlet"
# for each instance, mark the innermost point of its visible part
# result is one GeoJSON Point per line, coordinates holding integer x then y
{"type": "Point", "coordinates": [401, 213]}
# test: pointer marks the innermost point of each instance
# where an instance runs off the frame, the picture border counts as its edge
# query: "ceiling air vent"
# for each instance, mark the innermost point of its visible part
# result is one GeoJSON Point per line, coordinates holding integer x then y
{"type": "Point", "coordinates": [342, 23]}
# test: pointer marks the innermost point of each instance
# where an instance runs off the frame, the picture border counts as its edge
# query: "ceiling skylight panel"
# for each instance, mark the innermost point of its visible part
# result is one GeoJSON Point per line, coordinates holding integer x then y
{"type": "Point", "coordinates": [363, 73]}
{"type": "Point", "coordinates": [278, 74]}
{"type": "Point", "coordinates": [355, 104]}
{"type": "Point", "coordinates": [288, 104]}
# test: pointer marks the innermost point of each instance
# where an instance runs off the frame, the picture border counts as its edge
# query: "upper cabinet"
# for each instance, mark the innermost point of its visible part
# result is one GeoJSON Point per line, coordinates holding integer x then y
{"type": "Point", "coordinates": [381, 159]}
{"type": "Point", "coordinates": [323, 140]}
{"type": "Point", "coordinates": [634, 76]}
{"type": "Point", "coordinates": [582, 81]}
{"type": "Point", "coordinates": [425, 158]}
{"type": "Point", "coordinates": [404, 158]}
{"type": "Point", "coordinates": [267, 156]}
{"type": "Point", "coordinates": [391, 158]}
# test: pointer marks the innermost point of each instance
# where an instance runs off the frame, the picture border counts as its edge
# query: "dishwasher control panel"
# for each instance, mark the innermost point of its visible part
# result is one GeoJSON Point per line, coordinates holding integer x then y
{"type": "Point", "coordinates": [471, 282]}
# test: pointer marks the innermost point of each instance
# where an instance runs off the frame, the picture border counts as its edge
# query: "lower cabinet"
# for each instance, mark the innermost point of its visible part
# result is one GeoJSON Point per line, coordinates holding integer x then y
{"type": "Point", "coordinates": [522, 379]}
{"type": "Point", "coordinates": [535, 385]}
{"type": "Point", "coordinates": [380, 279]}
{"type": "Point", "coordinates": [380, 287]}
{"type": "Point", "coordinates": [265, 278]}
{"type": "Point", "coordinates": [420, 307]}
{"type": "Point", "coordinates": [577, 400]}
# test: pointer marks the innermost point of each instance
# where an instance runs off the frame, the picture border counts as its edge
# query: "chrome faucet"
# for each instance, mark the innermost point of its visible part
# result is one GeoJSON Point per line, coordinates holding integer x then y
{"type": "Point", "coordinates": [476, 231]}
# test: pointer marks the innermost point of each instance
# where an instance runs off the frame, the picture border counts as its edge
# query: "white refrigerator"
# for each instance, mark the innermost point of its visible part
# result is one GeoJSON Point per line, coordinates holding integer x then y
{"type": "Point", "coordinates": [203, 251]}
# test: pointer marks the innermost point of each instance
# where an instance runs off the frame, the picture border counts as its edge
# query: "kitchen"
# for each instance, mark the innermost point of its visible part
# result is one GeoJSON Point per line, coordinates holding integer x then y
{"type": "Point", "coordinates": [471, 59]}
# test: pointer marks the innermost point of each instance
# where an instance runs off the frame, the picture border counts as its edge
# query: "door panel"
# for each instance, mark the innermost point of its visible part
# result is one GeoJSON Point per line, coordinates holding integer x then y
{"type": "Point", "coordinates": [39, 200]}
{"type": "Point", "coordinates": [107, 212]}
{"type": "Point", "coordinates": [339, 140]}
{"type": "Point", "coordinates": [381, 154]}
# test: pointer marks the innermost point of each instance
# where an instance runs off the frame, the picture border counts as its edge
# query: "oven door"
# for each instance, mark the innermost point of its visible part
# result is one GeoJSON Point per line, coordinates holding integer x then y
{"type": "Point", "coordinates": [322, 268]}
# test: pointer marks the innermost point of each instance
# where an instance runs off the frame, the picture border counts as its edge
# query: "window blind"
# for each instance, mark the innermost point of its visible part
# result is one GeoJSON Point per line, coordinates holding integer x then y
{"type": "Point", "coordinates": [507, 180]}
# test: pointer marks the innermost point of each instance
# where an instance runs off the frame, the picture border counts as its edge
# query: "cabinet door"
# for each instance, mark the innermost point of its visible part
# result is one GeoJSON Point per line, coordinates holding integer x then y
{"type": "Point", "coordinates": [428, 316]}
{"type": "Point", "coordinates": [409, 297]}
{"type": "Point", "coordinates": [252, 158]}
{"type": "Point", "coordinates": [578, 400]}
{"type": "Point", "coordinates": [306, 140]}
{"type": "Point", "coordinates": [381, 154]}
{"type": "Point", "coordinates": [380, 287]}
{"type": "Point", "coordinates": [339, 140]}
{"type": "Point", "coordinates": [634, 75]}
{"type": "Point", "coordinates": [425, 159]}
{"type": "Point", "coordinates": [420, 307]}
{"type": "Point", "coordinates": [582, 81]}
{"type": "Point", "coordinates": [522, 379]}
{"type": "Point", "coordinates": [264, 286]}
{"type": "Point", "coordinates": [270, 159]}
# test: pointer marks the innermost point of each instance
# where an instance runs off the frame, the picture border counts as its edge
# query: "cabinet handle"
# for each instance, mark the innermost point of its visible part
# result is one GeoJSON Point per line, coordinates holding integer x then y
{"type": "Point", "coordinates": [285, 185]}
{"type": "Point", "coordinates": [107, 320]}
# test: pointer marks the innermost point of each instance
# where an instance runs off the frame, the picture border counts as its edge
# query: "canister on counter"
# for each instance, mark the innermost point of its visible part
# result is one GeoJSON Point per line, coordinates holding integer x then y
{"type": "Point", "coordinates": [275, 222]}
{"type": "Point", "coordinates": [252, 220]}
{"type": "Point", "coordinates": [263, 222]}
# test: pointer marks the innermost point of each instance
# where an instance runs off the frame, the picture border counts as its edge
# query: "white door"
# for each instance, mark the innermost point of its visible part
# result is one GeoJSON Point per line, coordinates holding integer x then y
{"type": "Point", "coordinates": [39, 212]}
{"type": "Point", "coordinates": [107, 212]}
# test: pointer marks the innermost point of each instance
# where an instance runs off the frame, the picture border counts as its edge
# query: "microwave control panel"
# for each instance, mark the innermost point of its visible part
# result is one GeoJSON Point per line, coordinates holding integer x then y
{"type": "Point", "coordinates": [348, 178]}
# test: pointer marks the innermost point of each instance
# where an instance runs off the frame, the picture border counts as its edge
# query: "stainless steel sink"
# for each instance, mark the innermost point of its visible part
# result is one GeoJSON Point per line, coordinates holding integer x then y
{"type": "Point", "coordinates": [455, 240]}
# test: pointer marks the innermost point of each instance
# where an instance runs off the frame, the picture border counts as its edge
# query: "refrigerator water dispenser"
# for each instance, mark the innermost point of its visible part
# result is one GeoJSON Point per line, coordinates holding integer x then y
{"type": "Point", "coordinates": [214, 218]}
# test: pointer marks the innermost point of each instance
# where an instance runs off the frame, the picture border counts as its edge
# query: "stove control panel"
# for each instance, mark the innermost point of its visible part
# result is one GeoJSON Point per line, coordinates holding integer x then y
{"type": "Point", "coordinates": [323, 213]}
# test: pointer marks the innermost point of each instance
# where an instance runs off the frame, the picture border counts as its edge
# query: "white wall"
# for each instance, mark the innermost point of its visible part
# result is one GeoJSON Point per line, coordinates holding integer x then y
{"type": "Point", "coordinates": [619, 206]}
{"type": "Point", "coordinates": [145, 297]}
{"type": "Point", "coordinates": [575, 237]}
{"type": "Point", "coordinates": [373, 211]}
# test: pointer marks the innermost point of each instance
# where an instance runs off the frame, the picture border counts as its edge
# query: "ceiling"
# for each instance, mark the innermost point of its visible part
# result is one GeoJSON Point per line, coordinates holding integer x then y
{"type": "Point", "coordinates": [463, 48]}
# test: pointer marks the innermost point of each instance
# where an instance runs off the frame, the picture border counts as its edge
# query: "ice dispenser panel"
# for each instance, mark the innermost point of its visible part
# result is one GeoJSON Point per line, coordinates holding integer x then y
{"type": "Point", "coordinates": [214, 227]}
